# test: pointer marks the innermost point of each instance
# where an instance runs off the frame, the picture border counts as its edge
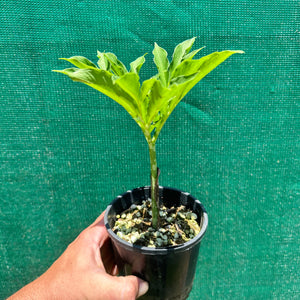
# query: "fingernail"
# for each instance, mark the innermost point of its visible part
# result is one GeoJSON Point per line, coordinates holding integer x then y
{"type": "Point", "coordinates": [143, 287]}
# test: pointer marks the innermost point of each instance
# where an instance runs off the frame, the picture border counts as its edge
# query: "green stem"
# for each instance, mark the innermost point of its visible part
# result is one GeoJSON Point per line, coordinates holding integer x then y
{"type": "Point", "coordinates": [154, 185]}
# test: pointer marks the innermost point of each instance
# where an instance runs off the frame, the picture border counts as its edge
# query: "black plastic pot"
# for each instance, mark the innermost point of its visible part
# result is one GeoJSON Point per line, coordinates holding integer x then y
{"type": "Point", "coordinates": [170, 271]}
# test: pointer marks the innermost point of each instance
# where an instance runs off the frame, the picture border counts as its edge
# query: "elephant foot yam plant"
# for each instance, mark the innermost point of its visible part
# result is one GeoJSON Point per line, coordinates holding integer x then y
{"type": "Point", "coordinates": [149, 103]}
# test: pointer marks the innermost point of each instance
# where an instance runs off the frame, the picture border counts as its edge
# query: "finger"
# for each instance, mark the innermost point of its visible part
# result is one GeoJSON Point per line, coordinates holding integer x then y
{"type": "Point", "coordinates": [143, 287]}
{"type": "Point", "coordinates": [129, 287]}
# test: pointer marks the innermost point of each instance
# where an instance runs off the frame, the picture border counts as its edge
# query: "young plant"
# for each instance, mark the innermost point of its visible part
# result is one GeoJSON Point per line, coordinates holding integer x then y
{"type": "Point", "coordinates": [149, 103]}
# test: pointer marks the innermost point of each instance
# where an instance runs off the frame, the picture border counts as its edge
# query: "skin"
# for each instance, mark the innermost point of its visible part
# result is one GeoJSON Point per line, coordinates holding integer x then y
{"type": "Point", "coordinates": [84, 272]}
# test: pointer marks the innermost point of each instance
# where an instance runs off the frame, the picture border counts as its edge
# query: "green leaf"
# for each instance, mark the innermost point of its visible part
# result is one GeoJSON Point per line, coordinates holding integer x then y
{"type": "Point", "coordinates": [188, 73]}
{"type": "Point", "coordinates": [116, 66]}
{"type": "Point", "coordinates": [147, 86]}
{"type": "Point", "coordinates": [103, 63]}
{"type": "Point", "coordinates": [136, 65]}
{"type": "Point", "coordinates": [159, 99]}
{"type": "Point", "coordinates": [183, 79]}
{"type": "Point", "coordinates": [200, 67]}
{"type": "Point", "coordinates": [151, 104]}
{"type": "Point", "coordinates": [163, 106]}
{"type": "Point", "coordinates": [192, 54]}
{"type": "Point", "coordinates": [80, 62]}
{"type": "Point", "coordinates": [102, 81]}
{"type": "Point", "coordinates": [130, 84]}
{"type": "Point", "coordinates": [145, 95]}
{"type": "Point", "coordinates": [162, 63]}
{"type": "Point", "coordinates": [179, 52]}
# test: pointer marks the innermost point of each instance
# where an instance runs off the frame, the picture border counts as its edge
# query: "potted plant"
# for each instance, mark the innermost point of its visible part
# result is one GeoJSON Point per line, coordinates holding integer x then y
{"type": "Point", "coordinates": [155, 231]}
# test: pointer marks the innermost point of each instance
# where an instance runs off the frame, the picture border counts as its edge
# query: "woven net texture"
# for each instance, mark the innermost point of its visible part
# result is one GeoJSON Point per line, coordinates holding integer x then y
{"type": "Point", "coordinates": [66, 151]}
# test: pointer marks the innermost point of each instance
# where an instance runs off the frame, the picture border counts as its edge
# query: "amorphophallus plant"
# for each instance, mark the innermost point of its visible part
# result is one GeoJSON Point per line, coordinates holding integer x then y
{"type": "Point", "coordinates": [151, 102]}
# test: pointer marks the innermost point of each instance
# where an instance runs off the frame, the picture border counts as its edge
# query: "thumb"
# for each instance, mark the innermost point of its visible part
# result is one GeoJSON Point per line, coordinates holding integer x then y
{"type": "Point", "coordinates": [143, 287]}
{"type": "Point", "coordinates": [132, 287]}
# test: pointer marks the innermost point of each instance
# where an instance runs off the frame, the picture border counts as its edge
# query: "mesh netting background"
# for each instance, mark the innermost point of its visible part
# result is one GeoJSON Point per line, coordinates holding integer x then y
{"type": "Point", "coordinates": [66, 151]}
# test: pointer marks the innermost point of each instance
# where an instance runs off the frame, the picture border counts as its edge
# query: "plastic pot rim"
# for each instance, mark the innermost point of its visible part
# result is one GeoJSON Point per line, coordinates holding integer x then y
{"type": "Point", "coordinates": [158, 251]}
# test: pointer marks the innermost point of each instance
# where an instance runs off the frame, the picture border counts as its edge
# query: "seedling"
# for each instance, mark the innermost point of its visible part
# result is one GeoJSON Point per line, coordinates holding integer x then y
{"type": "Point", "coordinates": [151, 102]}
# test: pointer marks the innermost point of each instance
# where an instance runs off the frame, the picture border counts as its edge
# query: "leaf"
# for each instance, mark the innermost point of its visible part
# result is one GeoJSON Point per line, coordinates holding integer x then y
{"type": "Point", "coordinates": [162, 63]}
{"type": "Point", "coordinates": [202, 67]}
{"type": "Point", "coordinates": [103, 63]}
{"type": "Point", "coordinates": [189, 73]}
{"type": "Point", "coordinates": [159, 99]}
{"type": "Point", "coordinates": [193, 53]}
{"type": "Point", "coordinates": [145, 98]}
{"type": "Point", "coordinates": [116, 66]}
{"type": "Point", "coordinates": [136, 65]}
{"type": "Point", "coordinates": [102, 81]}
{"type": "Point", "coordinates": [183, 79]}
{"type": "Point", "coordinates": [163, 106]}
{"type": "Point", "coordinates": [80, 62]}
{"type": "Point", "coordinates": [146, 87]}
{"type": "Point", "coordinates": [179, 52]}
{"type": "Point", "coordinates": [151, 104]}
{"type": "Point", "coordinates": [130, 84]}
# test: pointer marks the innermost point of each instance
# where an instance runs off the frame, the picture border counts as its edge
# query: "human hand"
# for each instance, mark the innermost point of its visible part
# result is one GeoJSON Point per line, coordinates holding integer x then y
{"type": "Point", "coordinates": [85, 272]}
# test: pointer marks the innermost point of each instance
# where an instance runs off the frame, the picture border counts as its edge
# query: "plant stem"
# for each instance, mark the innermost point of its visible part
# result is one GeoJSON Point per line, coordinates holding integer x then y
{"type": "Point", "coordinates": [154, 185]}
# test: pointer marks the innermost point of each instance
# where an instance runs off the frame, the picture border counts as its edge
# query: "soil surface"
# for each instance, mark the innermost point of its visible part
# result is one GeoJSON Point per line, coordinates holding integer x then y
{"type": "Point", "coordinates": [177, 225]}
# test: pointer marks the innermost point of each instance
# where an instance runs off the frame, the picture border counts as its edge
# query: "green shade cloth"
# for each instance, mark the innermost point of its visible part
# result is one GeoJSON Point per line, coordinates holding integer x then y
{"type": "Point", "coordinates": [66, 150]}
